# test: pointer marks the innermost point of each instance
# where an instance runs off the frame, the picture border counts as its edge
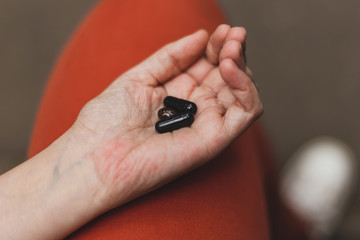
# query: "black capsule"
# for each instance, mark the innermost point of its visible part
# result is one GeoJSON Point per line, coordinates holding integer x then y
{"type": "Point", "coordinates": [165, 113]}
{"type": "Point", "coordinates": [174, 123]}
{"type": "Point", "coordinates": [180, 105]}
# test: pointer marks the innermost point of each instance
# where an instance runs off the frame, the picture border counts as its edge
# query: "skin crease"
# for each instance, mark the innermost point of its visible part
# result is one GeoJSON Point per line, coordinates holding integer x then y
{"type": "Point", "coordinates": [124, 115]}
{"type": "Point", "coordinates": [112, 154]}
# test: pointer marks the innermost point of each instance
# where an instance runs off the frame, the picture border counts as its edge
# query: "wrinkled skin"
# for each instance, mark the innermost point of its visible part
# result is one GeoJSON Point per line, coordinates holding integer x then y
{"type": "Point", "coordinates": [130, 156]}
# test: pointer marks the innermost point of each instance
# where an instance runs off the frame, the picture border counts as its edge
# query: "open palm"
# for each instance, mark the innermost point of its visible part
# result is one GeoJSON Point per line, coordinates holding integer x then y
{"type": "Point", "coordinates": [129, 154]}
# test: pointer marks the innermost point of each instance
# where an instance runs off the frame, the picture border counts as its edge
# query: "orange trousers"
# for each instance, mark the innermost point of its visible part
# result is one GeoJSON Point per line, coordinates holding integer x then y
{"type": "Point", "coordinates": [235, 196]}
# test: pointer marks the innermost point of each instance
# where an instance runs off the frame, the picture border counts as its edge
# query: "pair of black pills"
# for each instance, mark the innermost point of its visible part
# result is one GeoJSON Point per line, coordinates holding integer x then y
{"type": "Point", "coordinates": [176, 114]}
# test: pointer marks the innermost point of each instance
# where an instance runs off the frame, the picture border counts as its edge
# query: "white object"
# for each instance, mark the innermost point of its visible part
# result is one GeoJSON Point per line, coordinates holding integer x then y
{"type": "Point", "coordinates": [317, 183]}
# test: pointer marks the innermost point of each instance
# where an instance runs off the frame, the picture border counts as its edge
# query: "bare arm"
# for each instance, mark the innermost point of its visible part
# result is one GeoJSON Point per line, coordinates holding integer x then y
{"type": "Point", "coordinates": [112, 153]}
{"type": "Point", "coordinates": [52, 194]}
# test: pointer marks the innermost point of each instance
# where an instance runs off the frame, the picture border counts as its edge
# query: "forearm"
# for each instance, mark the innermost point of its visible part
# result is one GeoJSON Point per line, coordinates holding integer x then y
{"type": "Point", "coordinates": [117, 155]}
{"type": "Point", "coordinates": [52, 194]}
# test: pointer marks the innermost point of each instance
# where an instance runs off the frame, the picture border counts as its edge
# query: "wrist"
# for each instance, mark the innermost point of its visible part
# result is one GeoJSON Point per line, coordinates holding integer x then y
{"type": "Point", "coordinates": [76, 190]}
{"type": "Point", "coordinates": [52, 194]}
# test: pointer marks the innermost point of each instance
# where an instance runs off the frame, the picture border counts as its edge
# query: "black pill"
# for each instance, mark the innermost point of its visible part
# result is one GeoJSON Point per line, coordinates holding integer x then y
{"type": "Point", "coordinates": [180, 105]}
{"type": "Point", "coordinates": [174, 123]}
{"type": "Point", "coordinates": [165, 113]}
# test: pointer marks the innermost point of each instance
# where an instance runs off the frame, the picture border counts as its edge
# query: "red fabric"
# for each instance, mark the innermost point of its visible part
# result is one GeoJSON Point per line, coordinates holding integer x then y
{"type": "Point", "coordinates": [225, 199]}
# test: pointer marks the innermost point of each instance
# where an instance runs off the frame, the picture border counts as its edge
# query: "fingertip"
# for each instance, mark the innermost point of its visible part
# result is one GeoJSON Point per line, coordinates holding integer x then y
{"type": "Point", "coordinates": [215, 43]}
{"type": "Point", "coordinates": [224, 25]}
{"type": "Point", "coordinates": [198, 38]}
{"type": "Point", "coordinates": [243, 30]}
{"type": "Point", "coordinates": [173, 58]}
{"type": "Point", "coordinates": [220, 34]}
{"type": "Point", "coordinates": [202, 33]}
{"type": "Point", "coordinates": [242, 33]}
{"type": "Point", "coordinates": [195, 44]}
{"type": "Point", "coordinates": [195, 39]}
{"type": "Point", "coordinates": [237, 34]}
{"type": "Point", "coordinates": [223, 28]}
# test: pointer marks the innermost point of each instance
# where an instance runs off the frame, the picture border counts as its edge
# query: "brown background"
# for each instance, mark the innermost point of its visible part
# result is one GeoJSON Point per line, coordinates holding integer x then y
{"type": "Point", "coordinates": [305, 56]}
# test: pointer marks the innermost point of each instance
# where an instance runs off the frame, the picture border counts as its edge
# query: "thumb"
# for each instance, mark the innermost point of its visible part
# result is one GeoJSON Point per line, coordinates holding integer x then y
{"type": "Point", "coordinates": [170, 60]}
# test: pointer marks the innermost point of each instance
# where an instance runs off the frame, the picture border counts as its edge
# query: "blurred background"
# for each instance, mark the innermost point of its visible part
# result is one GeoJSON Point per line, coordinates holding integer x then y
{"type": "Point", "coordinates": [304, 54]}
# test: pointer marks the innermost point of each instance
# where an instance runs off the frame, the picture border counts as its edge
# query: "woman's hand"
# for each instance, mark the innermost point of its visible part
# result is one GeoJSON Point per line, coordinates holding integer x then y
{"type": "Point", "coordinates": [113, 154]}
{"type": "Point", "coordinates": [129, 156]}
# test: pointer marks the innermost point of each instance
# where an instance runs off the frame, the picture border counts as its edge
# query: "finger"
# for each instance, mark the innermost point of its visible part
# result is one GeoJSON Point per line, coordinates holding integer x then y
{"type": "Point", "coordinates": [236, 36]}
{"type": "Point", "coordinates": [170, 60]}
{"type": "Point", "coordinates": [246, 106]}
{"type": "Point", "coordinates": [233, 76]}
{"type": "Point", "coordinates": [199, 70]}
{"type": "Point", "coordinates": [233, 50]}
{"type": "Point", "coordinates": [215, 43]}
